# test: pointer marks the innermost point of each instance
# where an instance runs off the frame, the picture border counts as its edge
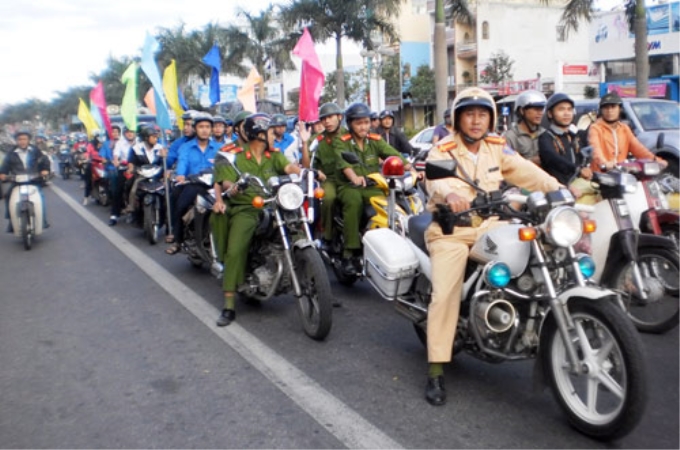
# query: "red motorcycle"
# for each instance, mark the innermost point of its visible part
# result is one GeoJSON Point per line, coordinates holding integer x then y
{"type": "Point", "coordinates": [100, 181]}
{"type": "Point", "coordinates": [648, 205]}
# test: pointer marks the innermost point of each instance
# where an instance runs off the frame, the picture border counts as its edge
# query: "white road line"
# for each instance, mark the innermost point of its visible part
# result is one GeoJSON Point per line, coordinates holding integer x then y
{"type": "Point", "coordinates": [337, 418]}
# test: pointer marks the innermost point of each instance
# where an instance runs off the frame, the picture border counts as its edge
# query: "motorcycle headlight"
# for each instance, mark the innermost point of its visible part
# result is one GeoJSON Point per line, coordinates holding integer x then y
{"type": "Point", "coordinates": [497, 274]}
{"type": "Point", "coordinates": [651, 168]}
{"type": "Point", "coordinates": [629, 183]}
{"type": "Point", "coordinates": [290, 196]}
{"type": "Point", "coordinates": [409, 182]}
{"type": "Point", "coordinates": [586, 264]}
{"type": "Point", "coordinates": [563, 226]}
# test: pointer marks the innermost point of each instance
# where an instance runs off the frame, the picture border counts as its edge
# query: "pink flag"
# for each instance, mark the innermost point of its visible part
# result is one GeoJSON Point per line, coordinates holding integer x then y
{"type": "Point", "coordinates": [99, 100]}
{"type": "Point", "coordinates": [312, 78]}
{"type": "Point", "coordinates": [150, 101]}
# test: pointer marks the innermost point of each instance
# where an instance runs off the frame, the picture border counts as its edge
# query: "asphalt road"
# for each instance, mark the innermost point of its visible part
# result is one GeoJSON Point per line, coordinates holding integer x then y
{"type": "Point", "coordinates": [105, 341]}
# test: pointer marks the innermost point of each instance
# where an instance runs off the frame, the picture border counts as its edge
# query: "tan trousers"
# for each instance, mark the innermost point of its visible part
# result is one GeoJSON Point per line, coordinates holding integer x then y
{"type": "Point", "coordinates": [448, 254]}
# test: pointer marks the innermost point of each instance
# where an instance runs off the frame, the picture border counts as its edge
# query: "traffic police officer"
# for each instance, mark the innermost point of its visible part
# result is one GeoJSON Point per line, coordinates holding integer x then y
{"type": "Point", "coordinates": [352, 190]}
{"type": "Point", "coordinates": [487, 160]}
{"type": "Point", "coordinates": [255, 158]}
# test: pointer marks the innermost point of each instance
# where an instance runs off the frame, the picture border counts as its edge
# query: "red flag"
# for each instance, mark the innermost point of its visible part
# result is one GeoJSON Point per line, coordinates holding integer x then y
{"type": "Point", "coordinates": [312, 78]}
{"type": "Point", "coordinates": [99, 100]}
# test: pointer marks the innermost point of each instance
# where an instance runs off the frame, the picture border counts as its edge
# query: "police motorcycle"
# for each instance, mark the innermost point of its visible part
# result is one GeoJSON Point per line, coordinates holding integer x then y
{"type": "Point", "coordinates": [642, 266]}
{"type": "Point", "coordinates": [283, 257]}
{"type": "Point", "coordinates": [26, 207]}
{"type": "Point", "coordinates": [151, 192]}
{"type": "Point", "coordinates": [514, 307]}
{"type": "Point", "coordinates": [407, 201]}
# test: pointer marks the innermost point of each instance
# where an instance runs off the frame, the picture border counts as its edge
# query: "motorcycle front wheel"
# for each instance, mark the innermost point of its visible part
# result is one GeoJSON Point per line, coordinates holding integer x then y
{"type": "Point", "coordinates": [607, 398]}
{"type": "Point", "coordinates": [150, 225]}
{"type": "Point", "coordinates": [315, 305]}
{"type": "Point", "coordinates": [26, 231]}
{"type": "Point", "coordinates": [659, 268]}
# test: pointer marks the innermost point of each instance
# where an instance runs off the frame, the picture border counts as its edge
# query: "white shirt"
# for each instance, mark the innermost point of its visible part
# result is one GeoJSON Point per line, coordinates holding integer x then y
{"type": "Point", "coordinates": [122, 149]}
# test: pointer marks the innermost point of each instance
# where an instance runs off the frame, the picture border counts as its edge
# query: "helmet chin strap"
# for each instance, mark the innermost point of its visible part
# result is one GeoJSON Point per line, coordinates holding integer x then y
{"type": "Point", "coordinates": [530, 127]}
{"type": "Point", "coordinates": [471, 140]}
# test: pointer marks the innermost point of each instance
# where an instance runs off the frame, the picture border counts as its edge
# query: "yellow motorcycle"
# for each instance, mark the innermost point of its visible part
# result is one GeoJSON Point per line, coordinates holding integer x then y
{"type": "Point", "coordinates": [408, 201]}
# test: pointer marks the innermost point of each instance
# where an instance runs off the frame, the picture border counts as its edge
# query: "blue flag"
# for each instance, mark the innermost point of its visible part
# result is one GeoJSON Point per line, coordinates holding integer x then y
{"type": "Point", "coordinates": [150, 68]}
{"type": "Point", "coordinates": [182, 102]}
{"type": "Point", "coordinates": [212, 59]}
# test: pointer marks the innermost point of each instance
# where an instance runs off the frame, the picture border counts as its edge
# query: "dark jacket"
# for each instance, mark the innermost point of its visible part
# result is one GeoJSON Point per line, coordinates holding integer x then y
{"type": "Point", "coordinates": [396, 139]}
{"type": "Point", "coordinates": [560, 153]}
{"type": "Point", "coordinates": [37, 162]}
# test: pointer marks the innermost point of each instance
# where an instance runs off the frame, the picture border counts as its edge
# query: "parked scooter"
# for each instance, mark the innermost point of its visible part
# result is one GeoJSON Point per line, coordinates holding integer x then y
{"type": "Point", "coordinates": [26, 208]}
{"type": "Point", "coordinates": [513, 308]}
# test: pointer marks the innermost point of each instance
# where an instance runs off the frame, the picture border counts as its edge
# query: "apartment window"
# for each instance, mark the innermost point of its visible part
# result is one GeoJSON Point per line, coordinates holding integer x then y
{"type": "Point", "coordinates": [485, 30]}
{"type": "Point", "coordinates": [561, 33]}
{"type": "Point", "coordinates": [419, 7]}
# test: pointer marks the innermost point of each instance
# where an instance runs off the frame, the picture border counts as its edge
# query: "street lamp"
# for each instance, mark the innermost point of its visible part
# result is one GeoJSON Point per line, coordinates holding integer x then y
{"type": "Point", "coordinates": [378, 53]}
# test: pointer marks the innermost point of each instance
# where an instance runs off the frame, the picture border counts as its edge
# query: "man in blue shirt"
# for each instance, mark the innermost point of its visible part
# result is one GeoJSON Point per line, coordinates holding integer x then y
{"type": "Point", "coordinates": [194, 156]}
{"type": "Point", "coordinates": [188, 134]}
{"type": "Point", "coordinates": [282, 140]}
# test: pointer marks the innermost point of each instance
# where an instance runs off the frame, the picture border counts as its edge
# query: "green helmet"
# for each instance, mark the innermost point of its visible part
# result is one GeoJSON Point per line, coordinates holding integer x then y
{"type": "Point", "coordinates": [240, 117]}
{"type": "Point", "coordinates": [328, 109]}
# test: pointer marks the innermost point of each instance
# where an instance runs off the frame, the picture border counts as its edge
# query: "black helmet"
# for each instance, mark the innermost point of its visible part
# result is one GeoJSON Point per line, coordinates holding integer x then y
{"type": "Point", "coordinates": [556, 98]}
{"type": "Point", "coordinates": [357, 111]}
{"type": "Point", "coordinates": [374, 116]}
{"type": "Point", "coordinates": [278, 120]}
{"type": "Point", "coordinates": [611, 98]}
{"type": "Point", "coordinates": [202, 117]}
{"type": "Point", "coordinates": [188, 115]}
{"type": "Point", "coordinates": [386, 113]}
{"type": "Point", "coordinates": [447, 113]}
{"type": "Point", "coordinates": [255, 124]}
{"type": "Point", "coordinates": [240, 117]}
{"type": "Point", "coordinates": [329, 109]}
{"type": "Point", "coordinates": [228, 122]}
{"type": "Point", "coordinates": [146, 131]}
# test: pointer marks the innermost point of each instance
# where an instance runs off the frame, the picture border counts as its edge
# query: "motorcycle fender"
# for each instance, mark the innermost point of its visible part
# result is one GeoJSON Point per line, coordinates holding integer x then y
{"type": "Point", "coordinates": [303, 243]}
{"type": "Point", "coordinates": [652, 240]}
{"type": "Point", "coordinates": [148, 199]}
{"type": "Point", "coordinates": [623, 246]}
{"type": "Point", "coordinates": [668, 216]}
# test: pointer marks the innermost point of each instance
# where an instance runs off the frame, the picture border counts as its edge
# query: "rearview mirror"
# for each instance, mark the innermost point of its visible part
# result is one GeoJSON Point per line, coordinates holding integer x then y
{"type": "Point", "coordinates": [225, 156]}
{"type": "Point", "coordinates": [436, 170]}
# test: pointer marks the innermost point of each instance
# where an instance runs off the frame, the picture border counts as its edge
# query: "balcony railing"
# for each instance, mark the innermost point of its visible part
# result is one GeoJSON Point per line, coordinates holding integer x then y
{"type": "Point", "coordinates": [466, 50]}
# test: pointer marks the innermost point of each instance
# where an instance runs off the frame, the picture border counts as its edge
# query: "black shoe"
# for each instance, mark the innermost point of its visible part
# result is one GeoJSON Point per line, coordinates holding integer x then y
{"type": "Point", "coordinates": [113, 222]}
{"type": "Point", "coordinates": [227, 317]}
{"type": "Point", "coordinates": [348, 266]}
{"type": "Point", "coordinates": [435, 392]}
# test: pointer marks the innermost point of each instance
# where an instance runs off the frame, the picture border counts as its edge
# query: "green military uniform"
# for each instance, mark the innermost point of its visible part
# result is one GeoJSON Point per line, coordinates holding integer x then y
{"type": "Point", "coordinates": [354, 197]}
{"type": "Point", "coordinates": [235, 228]}
{"type": "Point", "coordinates": [325, 160]}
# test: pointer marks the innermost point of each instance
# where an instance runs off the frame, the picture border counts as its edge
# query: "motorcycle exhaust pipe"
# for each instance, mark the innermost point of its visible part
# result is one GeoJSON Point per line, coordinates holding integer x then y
{"type": "Point", "coordinates": [498, 316]}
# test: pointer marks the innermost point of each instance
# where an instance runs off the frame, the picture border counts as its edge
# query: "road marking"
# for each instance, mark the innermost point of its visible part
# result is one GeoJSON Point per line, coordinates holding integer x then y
{"type": "Point", "coordinates": [348, 426]}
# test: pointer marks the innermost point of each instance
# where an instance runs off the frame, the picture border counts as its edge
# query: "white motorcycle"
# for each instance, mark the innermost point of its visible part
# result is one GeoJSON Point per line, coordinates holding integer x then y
{"type": "Point", "coordinates": [26, 208]}
{"type": "Point", "coordinates": [514, 307]}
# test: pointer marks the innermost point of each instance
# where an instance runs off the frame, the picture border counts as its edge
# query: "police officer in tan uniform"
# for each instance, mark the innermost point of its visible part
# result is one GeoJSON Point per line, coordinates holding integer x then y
{"type": "Point", "coordinates": [487, 160]}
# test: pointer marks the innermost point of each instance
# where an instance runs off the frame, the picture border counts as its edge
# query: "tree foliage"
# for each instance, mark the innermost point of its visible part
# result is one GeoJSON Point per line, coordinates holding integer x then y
{"type": "Point", "coordinates": [354, 86]}
{"type": "Point", "coordinates": [499, 69]}
{"type": "Point", "coordinates": [422, 90]}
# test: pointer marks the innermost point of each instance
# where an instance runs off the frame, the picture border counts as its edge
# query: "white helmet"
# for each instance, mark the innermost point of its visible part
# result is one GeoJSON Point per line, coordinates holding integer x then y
{"type": "Point", "coordinates": [529, 99]}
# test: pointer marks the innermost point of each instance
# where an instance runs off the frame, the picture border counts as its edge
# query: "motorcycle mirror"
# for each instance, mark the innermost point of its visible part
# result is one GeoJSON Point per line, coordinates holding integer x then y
{"type": "Point", "coordinates": [436, 170]}
{"type": "Point", "coordinates": [660, 141]}
{"type": "Point", "coordinates": [226, 156]}
{"type": "Point", "coordinates": [350, 157]}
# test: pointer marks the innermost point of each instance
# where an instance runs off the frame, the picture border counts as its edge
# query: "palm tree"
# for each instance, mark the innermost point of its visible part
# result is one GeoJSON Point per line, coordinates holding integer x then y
{"type": "Point", "coordinates": [261, 42]}
{"type": "Point", "coordinates": [459, 11]}
{"type": "Point", "coordinates": [338, 19]}
{"type": "Point", "coordinates": [575, 10]}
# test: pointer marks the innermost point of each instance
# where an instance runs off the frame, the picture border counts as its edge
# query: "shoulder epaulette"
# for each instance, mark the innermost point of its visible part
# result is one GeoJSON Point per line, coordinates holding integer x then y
{"type": "Point", "coordinates": [374, 136]}
{"type": "Point", "coordinates": [231, 148]}
{"type": "Point", "coordinates": [276, 149]}
{"type": "Point", "coordinates": [346, 137]}
{"type": "Point", "coordinates": [499, 140]}
{"type": "Point", "coordinates": [320, 137]}
{"type": "Point", "coordinates": [447, 146]}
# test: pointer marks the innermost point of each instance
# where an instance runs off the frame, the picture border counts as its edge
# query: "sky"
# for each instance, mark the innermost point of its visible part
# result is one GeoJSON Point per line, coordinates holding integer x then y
{"type": "Point", "coordinates": [47, 46]}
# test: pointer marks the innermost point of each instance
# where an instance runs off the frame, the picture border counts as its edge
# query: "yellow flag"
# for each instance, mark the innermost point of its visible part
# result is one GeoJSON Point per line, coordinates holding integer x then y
{"type": "Point", "coordinates": [171, 92]}
{"type": "Point", "coordinates": [86, 117]}
{"type": "Point", "coordinates": [247, 93]}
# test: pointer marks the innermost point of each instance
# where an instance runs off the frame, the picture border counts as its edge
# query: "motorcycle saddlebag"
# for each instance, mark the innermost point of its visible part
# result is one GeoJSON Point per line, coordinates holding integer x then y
{"type": "Point", "coordinates": [390, 263]}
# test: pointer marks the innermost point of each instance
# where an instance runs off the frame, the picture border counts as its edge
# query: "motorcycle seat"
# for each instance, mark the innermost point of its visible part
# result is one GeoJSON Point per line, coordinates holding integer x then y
{"type": "Point", "coordinates": [416, 228]}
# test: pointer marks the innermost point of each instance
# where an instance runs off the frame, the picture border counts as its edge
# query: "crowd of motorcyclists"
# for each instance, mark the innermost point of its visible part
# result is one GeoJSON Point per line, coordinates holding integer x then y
{"type": "Point", "coordinates": [527, 156]}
